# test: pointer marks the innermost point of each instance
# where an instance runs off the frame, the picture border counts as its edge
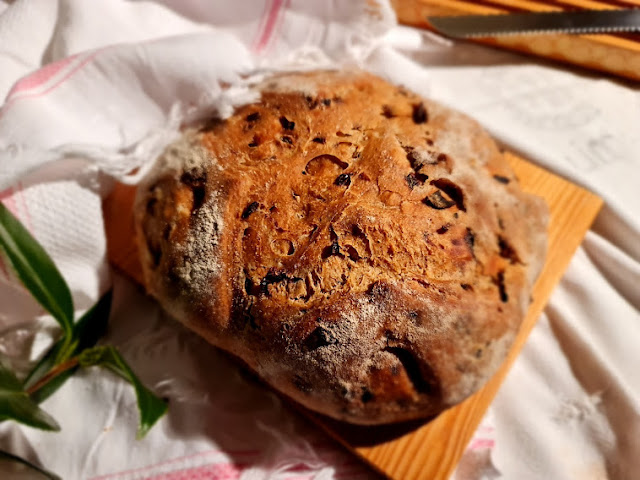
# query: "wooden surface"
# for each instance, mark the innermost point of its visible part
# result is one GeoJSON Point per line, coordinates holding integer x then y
{"type": "Point", "coordinates": [422, 450]}
{"type": "Point", "coordinates": [617, 54]}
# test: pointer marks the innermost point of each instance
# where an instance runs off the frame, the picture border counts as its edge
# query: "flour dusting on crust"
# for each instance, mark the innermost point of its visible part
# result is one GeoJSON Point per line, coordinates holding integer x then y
{"type": "Point", "coordinates": [368, 252]}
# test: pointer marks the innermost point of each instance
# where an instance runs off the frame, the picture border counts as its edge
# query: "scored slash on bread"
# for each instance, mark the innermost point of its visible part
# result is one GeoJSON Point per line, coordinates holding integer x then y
{"type": "Point", "coordinates": [367, 252]}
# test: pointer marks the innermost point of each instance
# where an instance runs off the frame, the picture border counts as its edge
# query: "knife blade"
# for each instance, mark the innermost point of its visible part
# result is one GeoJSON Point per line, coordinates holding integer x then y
{"type": "Point", "coordinates": [579, 22]}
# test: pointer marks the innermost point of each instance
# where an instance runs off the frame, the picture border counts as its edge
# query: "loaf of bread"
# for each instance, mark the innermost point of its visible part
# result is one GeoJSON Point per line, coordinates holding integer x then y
{"type": "Point", "coordinates": [367, 252]}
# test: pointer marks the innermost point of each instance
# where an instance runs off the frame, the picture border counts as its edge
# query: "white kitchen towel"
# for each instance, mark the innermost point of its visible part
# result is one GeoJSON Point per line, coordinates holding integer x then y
{"type": "Point", "coordinates": [117, 81]}
{"type": "Point", "coordinates": [94, 87]}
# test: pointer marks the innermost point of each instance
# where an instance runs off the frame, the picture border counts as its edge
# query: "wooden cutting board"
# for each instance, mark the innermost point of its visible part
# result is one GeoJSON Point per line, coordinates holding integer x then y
{"type": "Point", "coordinates": [421, 450]}
{"type": "Point", "coordinates": [617, 54]}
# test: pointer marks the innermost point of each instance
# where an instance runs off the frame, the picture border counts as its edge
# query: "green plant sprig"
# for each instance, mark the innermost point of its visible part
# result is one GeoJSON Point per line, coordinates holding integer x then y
{"type": "Point", "coordinates": [76, 348]}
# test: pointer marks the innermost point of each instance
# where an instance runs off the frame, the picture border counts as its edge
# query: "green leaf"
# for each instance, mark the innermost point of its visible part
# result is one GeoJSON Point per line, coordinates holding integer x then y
{"type": "Point", "coordinates": [44, 366]}
{"type": "Point", "coordinates": [46, 363]}
{"type": "Point", "coordinates": [151, 407]}
{"type": "Point", "coordinates": [86, 333]}
{"type": "Point", "coordinates": [93, 324]}
{"type": "Point", "coordinates": [16, 405]}
{"type": "Point", "coordinates": [6, 456]}
{"type": "Point", "coordinates": [35, 269]}
{"type": "Point", "coordinates": [52, 386]}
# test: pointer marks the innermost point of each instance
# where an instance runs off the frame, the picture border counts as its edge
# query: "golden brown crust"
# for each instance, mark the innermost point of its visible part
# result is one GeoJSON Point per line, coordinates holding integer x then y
{"type": "Point", "coordinates": [366, 251]}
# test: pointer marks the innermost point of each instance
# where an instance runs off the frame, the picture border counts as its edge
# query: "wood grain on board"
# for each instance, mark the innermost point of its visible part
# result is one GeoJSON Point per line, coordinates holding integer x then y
{"type": "Point", "coordinates": [618, 54]}
{"type": "Point", "coordinates": [431, 449]}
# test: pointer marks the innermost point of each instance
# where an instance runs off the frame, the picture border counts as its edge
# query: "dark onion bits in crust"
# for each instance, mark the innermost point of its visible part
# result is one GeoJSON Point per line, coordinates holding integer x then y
{"type": "Point", "coordinates": [372, 269]}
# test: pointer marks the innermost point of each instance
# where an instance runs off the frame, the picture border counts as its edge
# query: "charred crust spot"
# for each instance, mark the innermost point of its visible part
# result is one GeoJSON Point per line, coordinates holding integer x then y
{"type": "Point", "coordinates": [429, 142]}
{"type": "Point", "coordinates": [415, 159]}
{"type": "Point", "coordinates": [334, 248]}
{"type": "Point", "coordinates": [198, 197]}
{"type": "Point", "coordinates": [442, 157]}
{"type": "Point", "coordinates": [287, 139]}
{"type": "Point", "coordinates": [499, 282]}
{"type": "Point", "coordinates": [443, 229]}
{"type": "Point", "coordinates": [151, 206]}
{"type": "Point", "coordinates": [192, 180]}
{"type": "Point", "coordinates": [287, 124]}
{"type": "Point", "coordinates": [253, 117]}
{"type": "Point", "coordinates": [320, 140]}
{"type": "Point", "coordinates": [452, 190]}
{"type": "Point", "coordinates": [466, 286]}
{"type": "Point", "coordinates": [357, 232]}
{"type": "Point", "coordinates": [438, 201]}
{"type": "Point", "coordinates": [352, 253]}
{"type": "Point", "coordinates": [507, 251]}
{"type": "Point", "coordinates": [416, 179]}
{"type": "Point", "coordinates": [423, 379]}
{"type": "Point", "coordinates": [254, 142]}
{"type": "Point", "coordinates": [378, 291]}
{"type": "Point", "coordinates": [270, 279]}
{"type": "Point", "coordinates": [387, 112]}
{"type": "Point", "coordinates": [320, 337]}
{"type": "Point", "coordinates": [420, 158]}
{"type": "Point", "coordinates": [413, 315]}
{"type": "Point", "coordinates": [331, 250]}
{"type": "Point", "coordinates": [249, 286]}
{"type": "Point", "coordinates": [390, 335]}
{"type": "Point", "coordinates": [500, 223]}
{"type": "Point", "coordinates": [326, 102]}
{"type": "Point", "coordinates": [155, 251]}
{"type": "Point", "coordinates": [249, 209]}
{"type": "Point", "coordinates": [312, 103]}
{"type": "Point", "coordinates": [356, 154]}
{"type": "Point", "coordinates": [343, 180]}
{"type": "Point", "coordinates": [419, 114]}
{"type": "Point", "coordinates": [412, 181]}
{"type": "Point", "coordinates": [470, 239]}
{"type": "Point", "coordinates": [366, 396]}
{"type": "Point", "coordinates": [479, 353]}
{"type": "Point", "coordinates": [501, 179]}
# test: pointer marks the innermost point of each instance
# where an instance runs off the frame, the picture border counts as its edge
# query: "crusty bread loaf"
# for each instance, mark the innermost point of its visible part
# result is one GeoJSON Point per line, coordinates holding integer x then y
{"type": "Point", "coordinates": [367, 252]}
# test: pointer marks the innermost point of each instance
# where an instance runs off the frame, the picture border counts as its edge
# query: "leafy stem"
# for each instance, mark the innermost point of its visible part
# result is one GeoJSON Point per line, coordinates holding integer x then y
{"type": "Point", "coordinates": [53, 373]}
{"type": "Point", "coordinates": [36, 270]}
{"type": "Point", "coordinates": [75, 349]}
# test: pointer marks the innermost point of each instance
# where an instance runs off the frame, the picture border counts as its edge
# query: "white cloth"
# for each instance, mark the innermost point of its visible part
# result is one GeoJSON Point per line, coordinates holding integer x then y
{"type": "Point", "coordinates": [118, 79]}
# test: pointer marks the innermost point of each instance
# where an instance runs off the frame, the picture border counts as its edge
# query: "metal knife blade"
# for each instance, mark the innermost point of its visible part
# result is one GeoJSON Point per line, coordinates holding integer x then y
{"type": "Point", "coordinates": [579, 22]}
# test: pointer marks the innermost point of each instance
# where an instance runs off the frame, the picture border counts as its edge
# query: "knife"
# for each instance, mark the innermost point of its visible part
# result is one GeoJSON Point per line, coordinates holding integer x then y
{"type": "Point", "coordinates": [579, 22]}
